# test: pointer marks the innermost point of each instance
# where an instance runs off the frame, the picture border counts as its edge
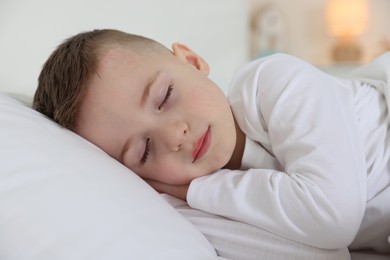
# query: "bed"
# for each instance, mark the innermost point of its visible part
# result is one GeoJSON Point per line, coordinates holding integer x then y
{"type": "Point", "coordinates": [61, 197]}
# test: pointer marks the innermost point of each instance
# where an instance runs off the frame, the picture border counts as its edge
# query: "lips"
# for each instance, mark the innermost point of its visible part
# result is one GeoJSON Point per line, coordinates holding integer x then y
{"type": "Point", "coordinates": [202, 145]}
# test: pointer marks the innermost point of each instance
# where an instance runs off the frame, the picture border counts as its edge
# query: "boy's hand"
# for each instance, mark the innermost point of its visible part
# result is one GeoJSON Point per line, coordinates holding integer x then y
{"type": "Point", "coordinates": [178, 191]}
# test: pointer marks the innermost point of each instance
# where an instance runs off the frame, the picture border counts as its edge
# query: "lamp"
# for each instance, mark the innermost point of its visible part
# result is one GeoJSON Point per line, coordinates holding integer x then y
{"type": "Point", "coordinates": [346, 19]}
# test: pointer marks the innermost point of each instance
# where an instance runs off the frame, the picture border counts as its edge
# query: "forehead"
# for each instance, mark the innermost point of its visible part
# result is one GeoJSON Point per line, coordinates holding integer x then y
{"type": "Point", "coordinates": [118, 56]}
{"type": "Point", "coordinates": [117, 76]}
{"type": "Point", "coordinates": [116, 59]}
{"type": "Point", "coordinates": [119, 70]}
{"type": "Point", "coordinates": [124, 66]}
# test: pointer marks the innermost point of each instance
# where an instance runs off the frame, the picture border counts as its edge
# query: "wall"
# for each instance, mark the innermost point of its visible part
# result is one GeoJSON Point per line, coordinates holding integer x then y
{"type": "Point", "coordinates": [307, 34]}
{"type": "Point", "coordinates": [217, 30]}
{"type": "Point", "coordinates": [30, 30]}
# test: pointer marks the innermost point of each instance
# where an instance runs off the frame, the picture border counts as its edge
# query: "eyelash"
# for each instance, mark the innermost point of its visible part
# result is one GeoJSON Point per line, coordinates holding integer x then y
{"type": "Point", "coordinates": [146, 152]}
{"type": "Point", "coordinates": [167, 96]}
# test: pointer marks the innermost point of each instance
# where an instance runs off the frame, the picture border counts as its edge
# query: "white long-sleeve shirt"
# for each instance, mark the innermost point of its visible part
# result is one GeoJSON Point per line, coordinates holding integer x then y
{"type": "Point", "coordinates": [316, 163]}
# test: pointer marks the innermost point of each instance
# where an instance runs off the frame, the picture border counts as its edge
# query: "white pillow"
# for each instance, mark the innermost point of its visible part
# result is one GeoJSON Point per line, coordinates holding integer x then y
{"type": "Point", "coordinates": [63, 198]}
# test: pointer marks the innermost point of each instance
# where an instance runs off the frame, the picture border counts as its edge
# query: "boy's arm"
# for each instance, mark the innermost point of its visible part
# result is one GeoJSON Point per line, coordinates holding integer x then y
{"type": "Point", "coordinates": [308, 120]}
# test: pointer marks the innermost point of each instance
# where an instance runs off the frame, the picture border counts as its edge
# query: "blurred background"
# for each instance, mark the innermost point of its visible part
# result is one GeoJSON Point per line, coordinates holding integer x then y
{"type": "Point", "coordinates": [331, 34]}
{"type": "Point", "coordinates": [323, 32]}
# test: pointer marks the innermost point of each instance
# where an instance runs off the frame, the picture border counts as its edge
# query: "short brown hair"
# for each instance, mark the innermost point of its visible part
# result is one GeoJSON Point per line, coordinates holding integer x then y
{"type": "Point", "coordinates": [65, 75]}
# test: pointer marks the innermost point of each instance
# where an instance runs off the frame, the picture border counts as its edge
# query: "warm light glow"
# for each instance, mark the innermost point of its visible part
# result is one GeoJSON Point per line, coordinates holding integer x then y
{"type": "Point", "coordinates": [347, 17]}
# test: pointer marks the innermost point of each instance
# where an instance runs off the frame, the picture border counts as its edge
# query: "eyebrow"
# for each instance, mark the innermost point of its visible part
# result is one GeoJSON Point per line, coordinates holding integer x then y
{"type": "Point", "coordinates": [147, 87]}
{"type": "Point", "coordinates": [144, 97]}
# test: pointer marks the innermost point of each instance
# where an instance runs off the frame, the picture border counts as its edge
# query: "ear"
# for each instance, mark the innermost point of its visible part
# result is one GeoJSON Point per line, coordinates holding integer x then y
{"type": "Point", "coordinates": [186, 55]}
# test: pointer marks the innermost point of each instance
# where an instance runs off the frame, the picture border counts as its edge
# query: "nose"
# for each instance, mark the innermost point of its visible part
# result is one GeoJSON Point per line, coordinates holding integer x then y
{"type": "Point", "coordinates": [174, 135]}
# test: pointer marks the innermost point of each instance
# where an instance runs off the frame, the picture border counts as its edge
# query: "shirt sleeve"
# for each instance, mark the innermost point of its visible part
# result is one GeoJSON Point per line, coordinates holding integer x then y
{"type": "Point", "coordinates": [306, 119]}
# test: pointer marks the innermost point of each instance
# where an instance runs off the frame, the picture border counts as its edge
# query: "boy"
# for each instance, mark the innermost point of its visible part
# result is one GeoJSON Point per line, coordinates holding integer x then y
{"type": "Point", "coordinates": [302, 154]}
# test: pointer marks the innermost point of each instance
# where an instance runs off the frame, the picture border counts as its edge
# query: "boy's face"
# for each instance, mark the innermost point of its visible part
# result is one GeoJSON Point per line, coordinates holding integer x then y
{"type": "Point", "coordinates": [159, 115]}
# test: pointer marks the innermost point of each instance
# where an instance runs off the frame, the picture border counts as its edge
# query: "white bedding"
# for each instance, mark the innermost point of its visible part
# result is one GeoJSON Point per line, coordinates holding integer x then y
{"type": "Point", "coordinates": [63, 198]}
{"type": "Point", "coordinates": [235, 240]}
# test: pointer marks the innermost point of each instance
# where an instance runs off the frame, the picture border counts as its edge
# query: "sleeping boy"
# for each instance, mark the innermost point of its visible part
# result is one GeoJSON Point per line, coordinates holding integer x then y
{"type": "Point", "coordinates": [292, 150]}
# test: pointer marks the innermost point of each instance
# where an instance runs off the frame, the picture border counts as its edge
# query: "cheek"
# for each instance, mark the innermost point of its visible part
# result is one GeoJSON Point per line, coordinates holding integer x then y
{"type": "Point", "coordinates": [171, 172]}
{"type": "Point", "coordinates": [161, 171]}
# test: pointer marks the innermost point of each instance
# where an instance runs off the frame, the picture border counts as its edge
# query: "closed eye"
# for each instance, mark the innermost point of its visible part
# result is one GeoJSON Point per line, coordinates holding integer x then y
{"type": "Point", "coordinates": [166, 98]}
{"type": "Point", "coordinates": [146, 152]}
{"type": "Point", "coordinates": [147, 149]}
